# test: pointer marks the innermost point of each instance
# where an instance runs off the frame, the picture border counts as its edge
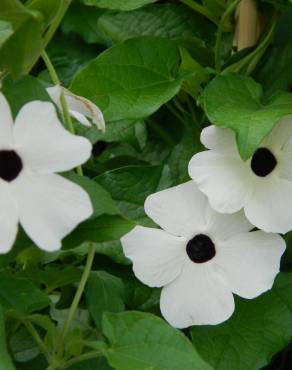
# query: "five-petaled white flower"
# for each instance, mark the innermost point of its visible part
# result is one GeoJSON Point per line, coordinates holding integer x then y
{"type": "Point", "coordinates": [31, 150]}
{"type": "Point", "coordinates": [262, 186]}
{"type": "Point", "coordinates": [200, 257]}
{"type": "Point", "coordinates": [78, 106]}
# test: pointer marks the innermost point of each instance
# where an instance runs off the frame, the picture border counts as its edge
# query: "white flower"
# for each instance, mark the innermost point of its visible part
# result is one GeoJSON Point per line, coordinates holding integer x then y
{"type": "Point", "coordinates": [78, 106]}
{"type": "Point", "coordinates": [262, 186]}
{"type": "Point", "coordinates": [200, 257]}
{"type": "Point", "coordinates": [31, 150]}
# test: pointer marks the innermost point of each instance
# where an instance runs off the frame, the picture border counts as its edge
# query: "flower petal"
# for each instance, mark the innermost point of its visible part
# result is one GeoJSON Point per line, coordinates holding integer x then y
{"type": "Point", "coordinates": [8, 220]}
{"type": "Point", "coordinates": [270, 206]}
{"type": "Point", "coordinates": [199, 296]}
{"type": "Point", "coordinates": [223, 226]}
{"type": "Point", "coordinates": [157, 256]}
{"type": "Point", "coordinates": [6, 124]}
{"type": "Point", "coordinates": [280, 134]}
{"type": "Point", "coordinates": [249, 262]}
{"type": "Point", "coordinates": [43, 143]}
{"type": "Point", "coordinates": [180, 210]}
{"type": "Point", "coordinates": [79, 107]}
{"type": "Point", "coordinates": [55, 94]}
{"type": "Point", "coordinates": [80, 118]}
{"type": "Point", "coordinates": [50, 207]}
{"type": "Point", "coordinates": [224, 179]}
{"type": "Point", "coordinates": [217, 138]}
{"type": "Point", "coordinates": [85, 107]}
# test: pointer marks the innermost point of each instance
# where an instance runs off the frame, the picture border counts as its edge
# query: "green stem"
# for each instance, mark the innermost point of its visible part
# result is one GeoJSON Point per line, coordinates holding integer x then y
{"type": "Point", "coordinates": [81, 358]}
{"type": "Point", "coordinates": [66, 114]}
{"type": "Point", "coordinates": [31, 329]}
{"type": "Point", "coordinates": [218, 45]}
{"type": "Point", "coordinates": [56, 22]}
{"type": "Point", "coordinates": [200, 9]}
{"type": "Point", "coordinates": [76, 298]}
{"type": "Point", "coordinates": [50, 67]}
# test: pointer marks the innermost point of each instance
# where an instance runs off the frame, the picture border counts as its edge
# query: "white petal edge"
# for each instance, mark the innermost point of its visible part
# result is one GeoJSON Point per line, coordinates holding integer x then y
{"type": "Point", "coordinates": [180, 210]}
{"type": "Point", "coordinates": [199, 296]}
{"type": "Point", "coordinates": [43, 143]}
{"type": "Point", "coordinates": [8, 219]}
{"type": "Point", "coordinates": [249, 262]}
{"type": "Point", "coordinates": [225, 180]}
{"type": "Point", "coordinates": [157, 256]}
{"type": "Point", "coordinates": [50, 207]}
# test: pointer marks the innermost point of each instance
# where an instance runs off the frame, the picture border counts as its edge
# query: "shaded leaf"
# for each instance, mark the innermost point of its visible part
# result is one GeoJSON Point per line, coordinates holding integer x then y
{"type": "Point", "coordinates": [104, 293]}
{"type": "Point", "coordinates": [141, 180]}
{"type": "Point", "coordinates": [118, 4]}
{"type": "Point", "coordinates": [143, 341]}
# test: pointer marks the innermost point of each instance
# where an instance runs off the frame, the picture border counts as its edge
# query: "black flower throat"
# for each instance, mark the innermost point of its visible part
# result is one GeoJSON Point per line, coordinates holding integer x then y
{"type": "Point", "coordinates": [263, 162]}
{"type": "Point", "coordinates": [201, 248]}
{"type": "Point", "coordinates": [10, 165]}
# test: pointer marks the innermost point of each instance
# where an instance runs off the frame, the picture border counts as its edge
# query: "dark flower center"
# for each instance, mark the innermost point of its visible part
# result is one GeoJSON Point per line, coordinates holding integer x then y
{"type": "Point", "coordinates": [201, 248]}
{"type": "Point", "coordinates": [10, 165]}
{"type": "Point", "coordinates": [263, 162]}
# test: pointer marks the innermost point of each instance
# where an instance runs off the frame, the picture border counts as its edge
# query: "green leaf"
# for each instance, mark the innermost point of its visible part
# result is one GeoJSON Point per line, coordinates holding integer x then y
{"type": "Point", "coordinates": [101, 200]}
{"type": "Point", "coordinates": [48, 8]}
{"type": "Point", "coordinates": [68, 54]}
{"type": "Point", "coordinates": [281, 4]}
{"type": "Point", "coordinates": [21, 49]}
{"type": "Point", "coordinates": [274, 72]}
{"type": "Point", "coordinates": [23, 90]}
{"type": "Point", "coordinates": [101, 229]}
{"type": "Point", "coordinates": [173, 21]}
{"type": "Point", "coordinates": [21, 294]}
{"type": "Point", "coordinates": [112, 249]}
{"type": "Point", "coordinates": [258, 329]}
{"type": "Point", "coordinates": [99, 363]}
{"type": "Point", "coordinates": [142, 180]}
{"type": "Point", "coordinates": [118, 4]}
{"type": "Point", "coordinates": [131, 80]}
{"type": "Point", "coordinates": [23, 346]}
{"type": "Point", "coordinates": [5, 360]}
{"type": "Point", "coordinates": [125, 131]}
{"type": "Point", "coordinates": [143, 341]}
{"type": "Point", "coordinates": [192, 85]}
{"type": "Point", "coordinates": [216, 7]}
{"type": "Point", "coordinates": [6, 30]}
{"type": "Point", "coordinates": [80, 320]}
{"type": "Point", "coordinates": [234, 102]}
{"type": "Point", "coordinates": [140, 296]}
{"type": "Point", "coordinates": [183, 151]}
{"type": "Point", "coordinates": [53, 277]}
{"type": "Point", "coordinates": [83, 20]}
{"type": "Point", "coordinates": [104, 293]}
